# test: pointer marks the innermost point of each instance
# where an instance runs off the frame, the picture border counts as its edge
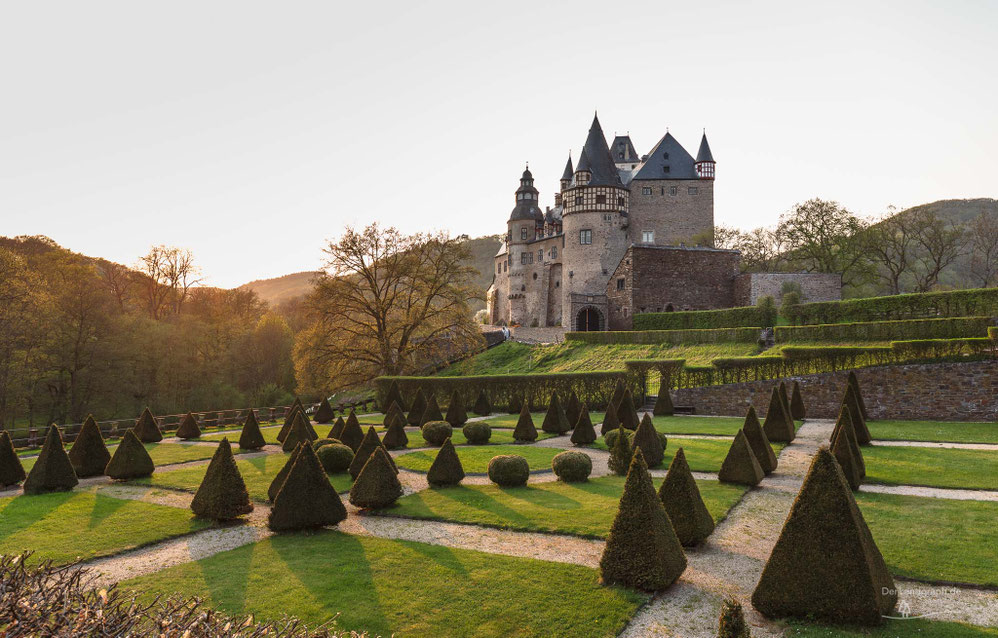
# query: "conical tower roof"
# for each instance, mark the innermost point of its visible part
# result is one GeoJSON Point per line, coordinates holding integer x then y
{"type": "Point", "coordinates": [704, 154]}
{"type": "Point", "coordinates": [569, 171]}
{"type": "Point", "coordinates": [600, 162]}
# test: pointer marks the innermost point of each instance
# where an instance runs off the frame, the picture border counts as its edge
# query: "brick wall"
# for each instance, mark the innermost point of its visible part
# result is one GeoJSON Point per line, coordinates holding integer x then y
{"type": "Point", "coordinates": [749, 287]}
{"type": "Point", "coordinates": [674, 218]}
{"type": "Point", "coordinates": [933, 391]}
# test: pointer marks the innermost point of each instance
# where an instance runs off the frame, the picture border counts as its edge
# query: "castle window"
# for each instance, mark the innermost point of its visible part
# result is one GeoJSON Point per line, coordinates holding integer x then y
{"type": "Point", "coordinates": [554, 252]}
{"type": "Point", "coordinates": [620, 283]}
{"type": "Point", "coordinates": [535, 276]}
{"type": "Point", "coordinates": [601, 199]}
{"type": "Point", "coordinates": [665, 169]}
{"type": "Point", "coordinates": [519, 196]}
{"type": "Point", "coordinates": [673, 190]}
{"type": "Point", "coordinates": [692, 190]}
{"type": "Point", "coordinates": [646, 190]}
{"type": "Point", "coordinates": [540, 255]}
{"type": "Point", "coordinates": [586, 237]}
{"type": "Point", "coordinates": [607, 217]}
{"type": "Point", "coordinates": [523, 232]}
{"type": "Point", "coordinates": [499, 268]}
{"type": "Point", "coordinates": [523, 258]}
{"type": "Point", "coordinates": [557, 284]}
{"type": "Point", "coordinates": [578, 200]}
{"type": "Point", "coordinates": [647, 236]}
{"type": "Point", "coordinates": [665, 155]}
{"type": "Point", "coordinates": [620, 201]}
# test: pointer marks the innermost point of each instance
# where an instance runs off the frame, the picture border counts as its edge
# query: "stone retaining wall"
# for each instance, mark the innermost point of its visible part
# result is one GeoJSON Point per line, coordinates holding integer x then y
{"type": "Point", "coordinates": [932, 391]}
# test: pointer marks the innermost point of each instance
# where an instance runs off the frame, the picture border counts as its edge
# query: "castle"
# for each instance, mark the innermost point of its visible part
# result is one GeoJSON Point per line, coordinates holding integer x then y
{"type": "Point", "coordinates": [626, 234]}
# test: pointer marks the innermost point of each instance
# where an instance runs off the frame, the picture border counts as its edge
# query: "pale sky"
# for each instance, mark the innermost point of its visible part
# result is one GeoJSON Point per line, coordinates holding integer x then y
{"type": "Point", "coordinates": [252, 132]}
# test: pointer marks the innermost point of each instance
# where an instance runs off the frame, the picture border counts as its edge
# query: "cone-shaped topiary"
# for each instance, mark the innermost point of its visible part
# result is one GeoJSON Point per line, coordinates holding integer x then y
{"type": "Point", "coordinates": [779, 426]}
{"type": "Point", "coordinates": [525, 430]}
{"type": "Point", "coordinates": [282, 474]}
{"type": "Point", "coordinates": [858, 422]}
{"type": "Point", "coordinates": [336, 431]}
{"type": "Point", "coordinates": [646, 438]}
{"type": "Point", "coordinates": [797, 409]}
{"type": "Point", "coordinates": [53, 471]}
{"type": "Point", "coordinates": [395, 437]}
{"type": "Point", "coordinates": [759, 442]}
{"type": "Point", "coordinates": [324, 413]}
{"type": "Point", "coordinates": [642, 550]}
{"type": "Point", "coordinates": [854, 382]}
{"type": "Point", "coordinates": [847, 461]}
{"type": "Point", "coordinates": [377, 485]}
{"type": "Point", "coordinates": [222, 494]}
{"type": "Point", "coordinates": [432, 411]}
{"type": "Point", "coordinates": [740, 465]}
{"type": "Point", "coordinates": [682, 501]}
{"type": "Point", "coordinates": [825, 564]}
{"type": "Point", "coordinates": [130, 460]}
{"type": "Point", "coordinates": [482, 405]}
{"type": "Point", "coordinates": [367, 446]}
{"type": "Point", "coordinates": [417, 408]}
{"type": "Point", "coordinates": [147, 429]}
{"type": "Point", "coordinates": [394, 411]}
{"type": "Point", "coordinates": [251, 438]}
{"type": "Point", "coordinates": [394, 396]}
{"type": "Point", "coordinates": [844, 429]}
{"type": "Point", "coordinates": [352, 434]}
{"type": "Point", "coordinates": [298, 433]}
{"type": "Point", "coordinates": [11, 470]}
{"type": "Point", "coordinates": [572, 408]}
{"type": "Point", "coordinates": [188, 428]}
{"type": "Point", "coordinates": [620, 453]}
{"type": "Point", "coordinates": [305, 499]}
{"type": "Point", "coordinates": [731, 623]}
{"type": "Point", "coordinates": [555, 420]}
{"type": "Point", "coordinates": [516, 403]}
{"type": "Point", "coordinates": [610, 421]}
{"type": "Point", "coordinates": [785, 395]}
{"type": "Point", "coordinates": [289, 419]}
{"type": "Point", "coordinates": [626, 413]}
{"type": "Point", "coordinates": [446, 468]}
{"type": "Point", "coordinates": [456, 414]}
{"type": "Point", "coordinates": [89, 454]}
{"type": "Point", "coordinates": [663, 404]}
{"type": "Point", "coordinates": [584, 432]}
{"type": "Point", "coordinates": [618, 394]}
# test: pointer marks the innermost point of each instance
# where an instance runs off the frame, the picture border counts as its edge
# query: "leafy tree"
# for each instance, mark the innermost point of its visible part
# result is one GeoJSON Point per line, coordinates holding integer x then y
{"type": "Point", "coordinates": [983, 235]}
{"type": "Point", "coordinates": [822, 236]}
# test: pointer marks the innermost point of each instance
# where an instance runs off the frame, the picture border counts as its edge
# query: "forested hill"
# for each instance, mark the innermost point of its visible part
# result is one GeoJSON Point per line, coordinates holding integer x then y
{"type": "Point", "coordinates": [957, 211]}
{"type": "Point", "coordinates": [280, 289]}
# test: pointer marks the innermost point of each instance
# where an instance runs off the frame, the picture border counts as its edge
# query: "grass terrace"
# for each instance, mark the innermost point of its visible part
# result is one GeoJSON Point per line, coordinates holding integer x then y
{"type": "Point", "coordinates": [67, 526]}
{"type": "Point", "coordinates": [475, 459]}
{"type": "Point", "coordinates": [162, 453]}
{"type": "Point", "coordinates": [946, 431]}
{"type": "Point", "coordinates": [932, 467]}
{"type": "Point", "coordinates": [703, 455]}
{"type": "Point", "coordinates": [582, 509]}
{"type": "Point", "coordinates": [410, 589]}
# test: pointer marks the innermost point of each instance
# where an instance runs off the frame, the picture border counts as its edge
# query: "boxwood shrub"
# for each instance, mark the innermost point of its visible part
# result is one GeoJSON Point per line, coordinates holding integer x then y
{"type": "Point", "coordinates": [675, 337]}
{"type": "Point", "coordinates": [436, 432]}
{"type": "Point", "coordinates": [745, 316]}
{"type": "Point", "coordinates": [974, 302]}
{"type": "Point", "coordinates": [477, 432]}
{"type": "Point", "coordinates": [571, 466]}
{"type": "Point", "coordinates": [509, 470]}
{"type": "Point", "coordinates": [944, 328]}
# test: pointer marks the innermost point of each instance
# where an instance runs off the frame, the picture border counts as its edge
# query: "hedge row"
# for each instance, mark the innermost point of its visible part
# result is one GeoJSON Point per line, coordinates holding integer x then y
{"type": "Point", "coordinates": [746, 316]}
{"type": "Point", "coordinates": [942, 348]}
{"type": "Point", "coordinates": [955, 303]}
{"type": "Point", "coordinates": [945, 328]}
{"type": "Point", "coordinates": [674, 337]}
{"type": "Point", "coordinates": [594, 388]}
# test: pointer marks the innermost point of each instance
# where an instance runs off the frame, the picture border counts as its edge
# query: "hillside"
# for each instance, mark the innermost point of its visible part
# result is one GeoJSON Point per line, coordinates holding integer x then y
{"type": "Point", "coordinates": [280, 289]}
{"type": "Point", "coordinates": [957, 211]}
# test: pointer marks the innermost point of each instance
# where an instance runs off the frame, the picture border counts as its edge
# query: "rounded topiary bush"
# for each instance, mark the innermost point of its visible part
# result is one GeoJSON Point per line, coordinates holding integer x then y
{"type": "Point", "coordinates": [477, 432]}
{"type": "Point", "coordinates": [611, 436]}
{"type": "Point", "coordinates": [335, 457]}
{"type": "Point", "coordinates": [509, 470]}
{"type": "Point", "coordinates": [316, 444]}
{"type": "Point", "coordinates": [571, 466]}
{"type": "Point", "coordinates": [436, 432]}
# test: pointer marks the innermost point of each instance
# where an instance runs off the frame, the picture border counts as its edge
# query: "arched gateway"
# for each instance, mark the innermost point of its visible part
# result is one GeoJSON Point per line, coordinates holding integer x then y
{"type": "Point", "coordinates": [589, 318]}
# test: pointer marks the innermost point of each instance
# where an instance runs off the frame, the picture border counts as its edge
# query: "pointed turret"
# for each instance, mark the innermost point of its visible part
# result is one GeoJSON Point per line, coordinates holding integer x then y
{"type": "Point", "coordinates": [705, 159]}
{"type": "Point", "coordinates": [598, 158]}
{"type": "Point", "coordinates": [526, 200]}
{"type": "Point", "coordinates": [566, 177]}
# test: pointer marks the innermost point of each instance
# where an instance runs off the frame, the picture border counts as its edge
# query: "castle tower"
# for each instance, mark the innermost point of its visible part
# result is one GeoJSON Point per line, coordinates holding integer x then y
{"type": "Point", "coordinates": [525, 225]}
{"type": "Point", "coordinates": [705, 159]}
{"type": "Point", "coordinates": [566, 180]}
{"type": "Point", "coordinates": [594, 221]}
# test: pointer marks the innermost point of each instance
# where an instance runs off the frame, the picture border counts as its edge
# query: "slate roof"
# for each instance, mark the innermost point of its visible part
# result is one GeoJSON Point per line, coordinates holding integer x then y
{"type": "Point", "coordinates": [667, 153]}
{"type": "Point", "coordinates": [704, 154]}
{"type": "Point", "coordinates": [526, 208]}
{"type": "Point", "coordinates": [597, 154]}
{"type": "Point", "coordinates": [623, 150]}
{"type": "Point", "coordinates": [569, 171]}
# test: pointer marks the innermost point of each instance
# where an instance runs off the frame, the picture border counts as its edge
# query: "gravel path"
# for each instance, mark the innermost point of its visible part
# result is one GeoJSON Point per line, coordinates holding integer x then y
{"type": "Point", "coordinates": [932, 492]}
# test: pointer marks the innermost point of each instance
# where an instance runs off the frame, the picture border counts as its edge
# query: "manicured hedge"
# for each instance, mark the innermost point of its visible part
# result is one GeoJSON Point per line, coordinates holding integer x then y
{"type": "Point", "coordinates": [594, 388]}
{"type": "Point", "coordinates": [745, 316]}
{"type": "Point", "coordinates": [675, 337]}
{"type": "Point", "coordinates": [945, 328]}
{"type": "Point", "coordinates": [955, 303]}
{"type": "Point", "coordinates": [942, 348]}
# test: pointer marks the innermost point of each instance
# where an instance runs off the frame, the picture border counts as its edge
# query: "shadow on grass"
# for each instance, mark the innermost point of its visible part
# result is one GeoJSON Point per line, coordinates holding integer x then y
{"type": "Point", "coordinates": [104, 507]}
{"type": "Point", "coordinates": [21, 512]}
{"type": "Point", "coordinates": [482, 501]}
{"type": "Point", "coordinates": [230, 584]}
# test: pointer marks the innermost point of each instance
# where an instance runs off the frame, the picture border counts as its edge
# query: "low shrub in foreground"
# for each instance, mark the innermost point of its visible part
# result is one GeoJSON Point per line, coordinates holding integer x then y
{"type": "Point", "coordinates": [477, 432]}
{"type": "Point", "coordinates": [571, 466]}
{"type": "Point", "coordinates": [509, 470]}
{"type": "Point", "coordinates": [53, 471]}
{"type": "Point", "coordinates": [446, 468]}
{"type": "Point", "coordinates": [436, 432]}
{"type": "Point", "coordinates": [130, 459]}
{"type": "Point", "coordinates": [222, 494]}
{"type": "Point", "coordinates": [306, 499]}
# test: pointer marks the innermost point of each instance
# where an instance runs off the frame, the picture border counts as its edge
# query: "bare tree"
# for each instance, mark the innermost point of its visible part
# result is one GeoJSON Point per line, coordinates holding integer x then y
{"type": "Point", "coordinates": [725, 237]}
{"type": "Point", "coordinates": [387, 303]}
{"type": "Point", "coordinates": [939, 245]}
{"type": "Point", "coordinates": [983, 235]}
{"type": "Point", "coordinates": [889, 243]}
{"type": "Point", "coordinates": [118, 280]}
{"type": "Point", "coordinates": [170, 273]}
{"type": "Point", "coordinates": [761, 250]}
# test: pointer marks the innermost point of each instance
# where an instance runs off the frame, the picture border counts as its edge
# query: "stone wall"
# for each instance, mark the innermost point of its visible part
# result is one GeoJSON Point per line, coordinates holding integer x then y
{"type": "Point", "coordinates": [749, 287]}
{"type": "Point", "coordinates": [932, 391]}
{"type": "Point", "coordinates": [673, 218]}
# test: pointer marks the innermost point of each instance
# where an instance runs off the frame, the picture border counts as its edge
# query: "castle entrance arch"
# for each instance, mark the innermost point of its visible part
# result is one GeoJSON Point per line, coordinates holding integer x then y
{"type": "Point", "coordinates": [588, 319]}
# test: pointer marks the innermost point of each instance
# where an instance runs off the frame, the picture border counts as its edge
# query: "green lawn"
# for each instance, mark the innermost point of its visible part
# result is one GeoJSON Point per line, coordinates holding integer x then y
{"type": "Point", "coordinates": [951, 432]}
{"type": "Point", "coordinates": [584, 509]}
{"type": "Point", "coordinates": [475, 459]}
{"type": "Point", "coordinates": [934, 467]}
{"type": "Point", "coordinates": [413, 589]}
{"type": "Point", "coordinates": [269, 435]}
{"type": "Point", "coordinates": [893, 629]}
{"type": "Point", "coordinates": [703, 455]}
{"type": "Point", "coordinates": [64, 526]}
{"type": "Point", "coordinates": [935, 538]}
{"type": "Point", "coordinates": [162, 453]}
{"type": "Point", "coordinates": [257, 473]}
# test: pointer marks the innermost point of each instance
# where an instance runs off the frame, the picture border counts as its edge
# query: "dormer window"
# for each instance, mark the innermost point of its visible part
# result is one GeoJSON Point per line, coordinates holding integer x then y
{"type": "Point", "coordinates": [519, 196]}
{"type": "Point", "coordinates": [665, 155]}
{"type": "Point", "coordinates": [665, 169]}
